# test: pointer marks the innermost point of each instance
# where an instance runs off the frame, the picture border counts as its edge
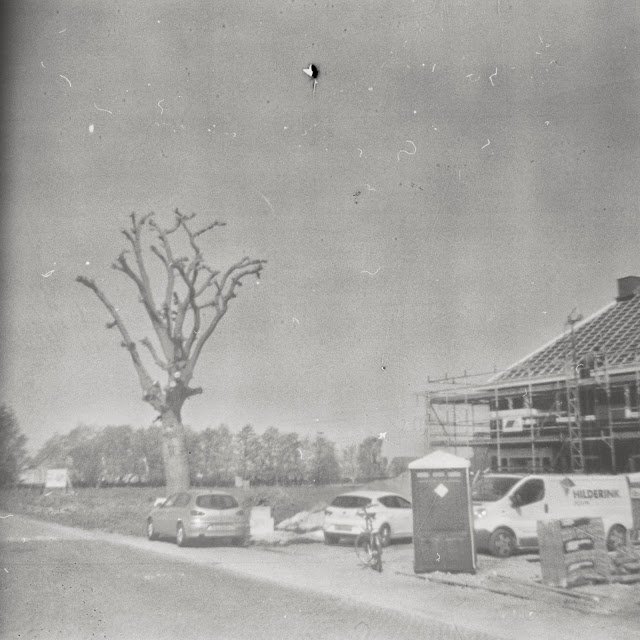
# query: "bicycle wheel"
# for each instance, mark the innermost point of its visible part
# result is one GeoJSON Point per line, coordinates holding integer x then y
{"type": "Point", "coordinates": [363, 549]}
{"type": "Point", "coordinates": [376, 552]}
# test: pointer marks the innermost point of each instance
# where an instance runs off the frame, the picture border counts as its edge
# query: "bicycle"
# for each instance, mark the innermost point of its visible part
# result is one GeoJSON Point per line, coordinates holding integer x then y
{"type": "Point", "coordinates": [368, 544]}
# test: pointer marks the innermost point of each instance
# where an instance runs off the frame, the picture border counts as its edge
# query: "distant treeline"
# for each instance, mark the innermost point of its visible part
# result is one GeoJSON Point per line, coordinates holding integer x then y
{"type": "Point", "coordinates": [115, 455]}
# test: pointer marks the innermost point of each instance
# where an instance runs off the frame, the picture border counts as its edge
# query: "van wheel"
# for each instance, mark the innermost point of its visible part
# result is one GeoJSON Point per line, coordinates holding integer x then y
{"type": "Point", "coordinates": [502, 543]}
{"type": "Point", "coordinates": [617, 537]}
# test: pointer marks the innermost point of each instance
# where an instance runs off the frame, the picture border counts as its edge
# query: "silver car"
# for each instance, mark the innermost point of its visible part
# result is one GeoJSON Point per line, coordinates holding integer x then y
{"type": "Point", "coordinates": [188, 516]}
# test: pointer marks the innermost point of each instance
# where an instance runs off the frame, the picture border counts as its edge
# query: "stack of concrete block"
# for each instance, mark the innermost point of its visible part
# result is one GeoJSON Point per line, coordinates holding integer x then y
{"type": "Point", "coordinates": [573, 551]}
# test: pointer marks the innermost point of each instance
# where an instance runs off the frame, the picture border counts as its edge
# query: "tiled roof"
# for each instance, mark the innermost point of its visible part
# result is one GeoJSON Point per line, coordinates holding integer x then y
{"type": "Point", "coordinates": [612, 335]}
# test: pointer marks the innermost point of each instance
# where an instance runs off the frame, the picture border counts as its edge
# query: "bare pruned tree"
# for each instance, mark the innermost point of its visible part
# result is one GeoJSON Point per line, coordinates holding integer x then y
{"type": "Point", "coordinates": [195, 298]}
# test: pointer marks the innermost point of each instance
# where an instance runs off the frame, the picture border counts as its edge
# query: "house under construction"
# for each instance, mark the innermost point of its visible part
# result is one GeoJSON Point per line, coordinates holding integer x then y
{"type": "Point", "coordinates": [571, 405]}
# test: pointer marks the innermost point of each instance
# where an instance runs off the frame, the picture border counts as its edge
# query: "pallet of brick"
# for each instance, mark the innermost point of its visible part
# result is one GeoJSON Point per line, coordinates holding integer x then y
{"type": "Point", "coordinates": [573, 551]}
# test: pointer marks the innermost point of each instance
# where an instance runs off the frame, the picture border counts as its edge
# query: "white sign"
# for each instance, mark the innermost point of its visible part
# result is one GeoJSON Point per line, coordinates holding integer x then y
{"type": "Point", "coordinates": [57, 479]}
{"type": "Point", "coordinates": [260, 521]}
{"type": "Point", "coordinates": [512, 425]}
{"type": "Point", "coordinates": [441, 490]}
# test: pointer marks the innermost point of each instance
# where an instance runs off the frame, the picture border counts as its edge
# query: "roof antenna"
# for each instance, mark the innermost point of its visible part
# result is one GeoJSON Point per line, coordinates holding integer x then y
{"type": "Point", "coordinates": [574, 316]}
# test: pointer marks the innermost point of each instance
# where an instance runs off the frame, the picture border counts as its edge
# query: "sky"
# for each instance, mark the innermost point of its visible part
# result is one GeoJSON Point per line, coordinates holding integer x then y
{"type": "Point", "coordinates": [462, 177]}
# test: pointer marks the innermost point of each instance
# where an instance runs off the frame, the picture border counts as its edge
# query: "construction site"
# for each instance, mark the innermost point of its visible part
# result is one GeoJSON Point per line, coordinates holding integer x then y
{"type": "Point", "coordinates": [570, 406]}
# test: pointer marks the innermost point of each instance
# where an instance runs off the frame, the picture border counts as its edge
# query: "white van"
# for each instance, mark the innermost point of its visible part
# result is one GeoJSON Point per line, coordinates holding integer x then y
{"type": "Point", "coordinates": [507, 507]}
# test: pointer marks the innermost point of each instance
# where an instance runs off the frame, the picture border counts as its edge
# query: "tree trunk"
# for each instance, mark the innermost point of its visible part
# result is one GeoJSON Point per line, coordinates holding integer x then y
{"type": "Point", "coordinates": [174, 453]}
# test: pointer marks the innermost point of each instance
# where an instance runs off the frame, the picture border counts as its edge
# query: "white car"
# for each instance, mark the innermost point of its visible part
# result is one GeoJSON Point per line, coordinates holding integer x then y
{"type": "Point", "coordinates": [393, 516]}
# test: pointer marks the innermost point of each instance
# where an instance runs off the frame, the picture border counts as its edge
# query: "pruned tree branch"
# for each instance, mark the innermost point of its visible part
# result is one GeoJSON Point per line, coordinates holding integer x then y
{"type": "Point", "coordinates": [147, 343]}
{"type": "Point", "coordinates": [167, 260]}
{"type": "Point", "coordinates": [189, 299]}
{"type": "Point", "coordinates": [146, 382]}
{"type": "Point", "coordinates": [160, 320]}
{"type": "Point", "coordinates": [142, 279]}
{"type": "Point", "coordinates": [231, 280]}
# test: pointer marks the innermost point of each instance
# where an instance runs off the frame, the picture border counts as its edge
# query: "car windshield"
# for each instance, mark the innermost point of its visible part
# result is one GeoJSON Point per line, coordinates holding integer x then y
{"type": "Point", "coordinates": [216, 502]}
{"type": "Point", "coordinates": [490, 489]}
{"type": "Point", "coordinates": [351, 502]}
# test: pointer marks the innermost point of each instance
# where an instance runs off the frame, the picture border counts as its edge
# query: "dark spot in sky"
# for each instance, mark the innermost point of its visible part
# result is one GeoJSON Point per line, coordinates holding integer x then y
{"type": "Point", "coordinates": [312, 71]}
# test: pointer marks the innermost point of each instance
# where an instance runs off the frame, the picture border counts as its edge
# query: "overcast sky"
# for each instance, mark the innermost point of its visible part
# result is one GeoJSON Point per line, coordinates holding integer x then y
{"type": "Point", "coordinates": [464, 175]}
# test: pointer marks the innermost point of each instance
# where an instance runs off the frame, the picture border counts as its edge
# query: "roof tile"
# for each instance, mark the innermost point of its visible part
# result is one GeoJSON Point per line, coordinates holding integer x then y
{"type": "Point", "coordinates": [611, 335]}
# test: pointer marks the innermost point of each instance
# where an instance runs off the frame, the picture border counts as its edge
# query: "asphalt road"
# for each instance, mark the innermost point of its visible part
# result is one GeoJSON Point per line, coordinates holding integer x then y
{"type": "Point", "coordinates": [57, 583]}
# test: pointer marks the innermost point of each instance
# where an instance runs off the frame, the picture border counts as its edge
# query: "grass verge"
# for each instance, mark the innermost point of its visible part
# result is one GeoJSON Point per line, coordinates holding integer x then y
{"type": "Point", "coordinates": [124, 509]}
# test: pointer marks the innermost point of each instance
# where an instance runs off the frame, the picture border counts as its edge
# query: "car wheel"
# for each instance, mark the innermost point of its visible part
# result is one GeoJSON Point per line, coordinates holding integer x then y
{"type": "Point", "coordinates": [331, 539]}
{"type": "Point", "coordinates": [502, 543]}
{"type": "Point", "coordinates": [385, 535]}
{"type": "Point", "coordinates": [240, 541]}
{"type": "Point", "coordinates": [617, 537]}
{"type": "Point", "coordinates": [181, 537]}
{"type": "Point", "coordinates": [151, 532]}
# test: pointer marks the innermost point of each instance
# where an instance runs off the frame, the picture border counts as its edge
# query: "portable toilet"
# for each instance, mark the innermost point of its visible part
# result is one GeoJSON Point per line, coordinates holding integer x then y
{"type": "Point", "coordinates": [442, 514]}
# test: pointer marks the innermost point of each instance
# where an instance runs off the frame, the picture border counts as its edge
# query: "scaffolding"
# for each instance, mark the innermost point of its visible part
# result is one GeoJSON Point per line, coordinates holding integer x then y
{"type": "Point", "coordinates": [547, 423]}
{"type": "Point", "coordinates": [574, 426]}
